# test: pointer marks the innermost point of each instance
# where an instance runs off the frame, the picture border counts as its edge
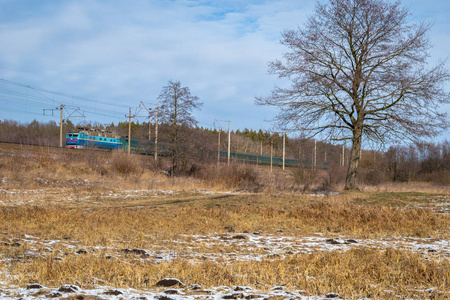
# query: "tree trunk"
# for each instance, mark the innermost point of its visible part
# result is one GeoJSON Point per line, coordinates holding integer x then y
{"type": "Point", "coordinates": [350, 181]}
{"type": "Point", "coordinates": [175, 151]}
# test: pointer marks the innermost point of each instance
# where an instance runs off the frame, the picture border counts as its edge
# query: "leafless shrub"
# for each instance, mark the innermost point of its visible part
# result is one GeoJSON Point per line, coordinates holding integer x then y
{"type": "Point", "coordinates": [335, 173]}
{"type": "Point", "coordinates": [125, 164]}
{"type": "Point", "coordinates": [243, 176]}
{"type": "Point", "coordinates": [236, 176]}
{"type": "Point", "coordinates": [304, 176]}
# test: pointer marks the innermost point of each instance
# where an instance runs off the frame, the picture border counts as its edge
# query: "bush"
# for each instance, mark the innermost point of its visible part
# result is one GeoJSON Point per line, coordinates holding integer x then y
{"type": "Point", "coordinates": [305, 176]}
{"type": "Point", "coordinates": [240, 175]}
{"type": "Point", "coordinates": [126, 164]}
{"type": "Point", "coordinates": [372, 176]}
{"type": "Point", "coordinates": [336, 173]}
{"type": "Point", "coordinates": [236, 176]}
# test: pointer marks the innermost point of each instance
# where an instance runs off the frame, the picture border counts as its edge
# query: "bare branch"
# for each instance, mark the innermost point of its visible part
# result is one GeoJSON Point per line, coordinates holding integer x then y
{"type": "Point", "coordinates": [358, 68]}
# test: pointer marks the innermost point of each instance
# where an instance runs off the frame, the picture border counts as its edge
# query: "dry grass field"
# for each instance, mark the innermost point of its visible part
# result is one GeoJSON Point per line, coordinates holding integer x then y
{"type": "Point", "coordinates": [102, 220]}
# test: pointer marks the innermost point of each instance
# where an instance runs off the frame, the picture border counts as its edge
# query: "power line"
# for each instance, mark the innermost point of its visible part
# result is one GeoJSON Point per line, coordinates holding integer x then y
{"type": "Point", "coordinates": [39, 99]}
{"type": "Point", "coordinates": [62, 94]}
{"type": "Point", "coordinates": [7, 95]}
{"type": "Point", "coordinates": [38, 106]}
{"type": "Point", "coordinates": [23, 112]}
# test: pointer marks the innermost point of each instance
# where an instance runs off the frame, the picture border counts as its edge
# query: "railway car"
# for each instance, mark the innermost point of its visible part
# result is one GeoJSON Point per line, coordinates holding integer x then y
{"type": "Point", "coordinates": [138, 146]}
{"type": "Point", "coordinates": [93, 139]}
{"type": "Point", "coordinates": [265, 160]}
{"type": "Point", "coordinates": [144, 147]}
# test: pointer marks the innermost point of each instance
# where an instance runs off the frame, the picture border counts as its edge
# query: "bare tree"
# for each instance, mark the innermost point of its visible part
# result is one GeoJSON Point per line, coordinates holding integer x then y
{"type": "Point", "coordinates": [358, 68]}
{"type": "Point", "coordinates": [177, 105]}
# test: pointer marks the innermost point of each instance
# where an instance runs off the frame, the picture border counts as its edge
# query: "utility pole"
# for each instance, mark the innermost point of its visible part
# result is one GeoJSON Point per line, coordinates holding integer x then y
{"type": "Point", "coordinates": [261, 147]}
{"type": "Point", "coordinates": [156, 126]}
{"type": "Point", "coordinates": [69, 115]}
{"type": "Point", "coordinates": [129, 129]}
{"type": "Point", "coordinates": [271, 154]}
{"type": "Point", "coordinates": [61, 126]}
{"type": "Point", "coordinates": [229, 141]}
{"type": "Point", "coordinates": [229, 137]}
{"type": "Point", "coordinates": [284, 149]}
{"type": "Point", "coordinates": [129, 132]}
{"type": "Point", "coordinates": [156, 133]}
{"type": "Point", "coordinates": [218, 149]}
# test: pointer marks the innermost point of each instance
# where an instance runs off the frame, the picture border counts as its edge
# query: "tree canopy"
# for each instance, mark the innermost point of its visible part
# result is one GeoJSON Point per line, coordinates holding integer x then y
{"type": "Point", "coordinates": [358, 69]}
{"type": "Point", "coordinates": [177, 104]}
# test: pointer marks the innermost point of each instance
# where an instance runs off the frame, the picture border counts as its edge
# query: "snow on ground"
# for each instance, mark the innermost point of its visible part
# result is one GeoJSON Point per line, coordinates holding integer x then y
{"type": "Point", "coordinates": [247, 246]}
{"type": "Point", "coordinates": [242, 246]}
{"type": "Point", "coordinates": [437, 203]}
{"type": "Point", "coordinates": [35, 291]}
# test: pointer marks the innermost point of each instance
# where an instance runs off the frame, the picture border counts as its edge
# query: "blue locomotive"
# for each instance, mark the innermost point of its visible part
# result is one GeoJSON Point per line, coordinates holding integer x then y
{"type": "Point", "coordinates": [100, 139]}
{"type": "Point", "coordinates": [93, 139]}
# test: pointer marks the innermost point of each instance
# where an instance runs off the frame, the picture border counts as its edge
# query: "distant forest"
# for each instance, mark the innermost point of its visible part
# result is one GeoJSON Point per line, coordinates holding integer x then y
{"type": "Point", "coordinates": [429, 162]}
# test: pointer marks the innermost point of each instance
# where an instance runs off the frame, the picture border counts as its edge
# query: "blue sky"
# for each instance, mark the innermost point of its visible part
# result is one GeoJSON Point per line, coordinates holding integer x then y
{"type": "Point", "coordinates": [124, 52]}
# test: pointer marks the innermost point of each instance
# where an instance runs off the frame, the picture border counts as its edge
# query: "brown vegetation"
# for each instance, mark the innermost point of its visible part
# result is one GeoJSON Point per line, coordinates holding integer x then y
{"type": "Point", "coordinates": [105, 202]}
{"type": "Point", "coordinates": [360, 272]}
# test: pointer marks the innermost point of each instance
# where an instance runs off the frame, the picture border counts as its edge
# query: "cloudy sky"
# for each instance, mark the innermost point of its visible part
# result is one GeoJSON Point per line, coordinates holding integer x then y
{"type": "Point", "coordinates": [93, 53]}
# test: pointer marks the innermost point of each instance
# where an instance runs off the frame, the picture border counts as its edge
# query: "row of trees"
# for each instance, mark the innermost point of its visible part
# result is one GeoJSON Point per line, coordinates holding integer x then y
{"type": "Point", "coordinates": [416, 162]}
{"type": "Point", "coordinates": [34, 133]}
{"type": "Point", "coordinates": [424, 162]}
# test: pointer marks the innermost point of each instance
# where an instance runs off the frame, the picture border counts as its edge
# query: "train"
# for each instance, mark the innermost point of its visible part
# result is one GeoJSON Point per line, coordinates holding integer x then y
{"type": "Point", "coordinates": [89, 138]}
{"type": "Point", "coordinates": [86, 138]}
{"type": "Point", "coordinates": [264, 160]}
{"type": "Point", "coordinates": [99, 139]}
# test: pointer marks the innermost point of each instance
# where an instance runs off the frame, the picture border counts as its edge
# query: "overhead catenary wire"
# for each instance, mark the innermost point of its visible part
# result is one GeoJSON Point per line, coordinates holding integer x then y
{"type": "Point", "coordinates": [39, 101]}
{"type": "Point", "coordinates": [38, 109]}
{"type": "Point", "coordinates": [90, 100]}
{"type": "Point", "coordinates": [17, 98]}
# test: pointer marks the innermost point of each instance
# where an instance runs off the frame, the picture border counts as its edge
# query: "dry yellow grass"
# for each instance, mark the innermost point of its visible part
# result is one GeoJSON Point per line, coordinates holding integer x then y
{"type": "Point", "coordinates": [95, 202]}
{"type": "Point", "coordinates": [192, 213]}
{"type": "Point", "coordinates": [356, 273]}
{"type": "Point", "coordinates": [424, 187]}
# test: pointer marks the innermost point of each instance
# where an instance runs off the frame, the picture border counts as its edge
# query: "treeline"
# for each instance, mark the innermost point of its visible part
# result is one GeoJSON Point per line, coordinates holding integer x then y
{"type": "Point", "coordinates": [204, 140]}
{"type": "Point", "coordinates": [34, 133]}
{"type": "Point", "coordinates": [421, 162]}
{"type": "Point", "coordinates": [428, 162]}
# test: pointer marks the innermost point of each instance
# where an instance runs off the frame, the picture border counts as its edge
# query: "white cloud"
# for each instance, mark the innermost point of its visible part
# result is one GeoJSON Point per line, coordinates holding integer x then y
{"type": "Point", "coordinates": [126, 51]}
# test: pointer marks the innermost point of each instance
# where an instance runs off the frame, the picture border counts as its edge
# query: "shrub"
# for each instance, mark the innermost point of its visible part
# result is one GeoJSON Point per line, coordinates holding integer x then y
{"type": "Point", "coordinates": [125, 164]}
{"type": "Point", "coordinates": [236, 176]}
{"type": "Point", "coordinates": [305, 176]}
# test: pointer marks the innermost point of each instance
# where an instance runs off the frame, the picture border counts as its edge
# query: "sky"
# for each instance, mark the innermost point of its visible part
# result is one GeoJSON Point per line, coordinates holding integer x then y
{"type": "Point", "coordinates": [106, 56]}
